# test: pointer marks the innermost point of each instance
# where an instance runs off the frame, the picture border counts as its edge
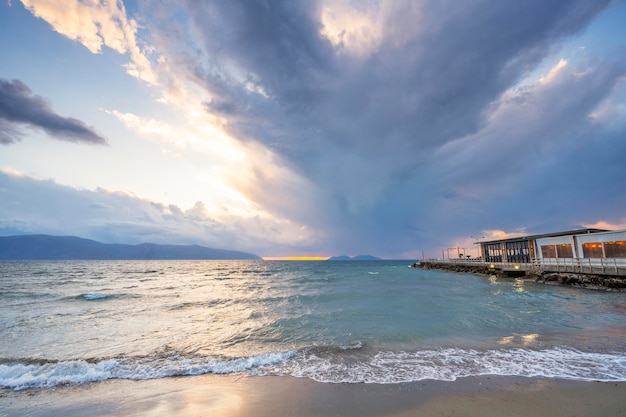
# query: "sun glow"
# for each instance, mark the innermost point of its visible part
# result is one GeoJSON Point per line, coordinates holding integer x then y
{"type": "Point", "coordinates": [554, 72]}
{"type": "Point", "coordinates": [350, 29]}
{"type": "Point", "coordinates": [295, 258]}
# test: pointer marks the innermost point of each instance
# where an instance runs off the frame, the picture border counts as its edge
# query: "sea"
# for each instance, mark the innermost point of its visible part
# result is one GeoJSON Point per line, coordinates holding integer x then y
{"type": "Point", "coordinates": [374, 322]}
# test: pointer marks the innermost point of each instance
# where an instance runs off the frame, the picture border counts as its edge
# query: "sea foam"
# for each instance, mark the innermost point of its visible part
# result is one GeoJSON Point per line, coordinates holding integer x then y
{"type": "Point", "coordinates": [23, 374]}
{"type": "Point", "coordinates": [91, 297]}
{"type": "Point", "coordinates": [450, 364]}
{"type": "Point", "coordinates": [381, 368]}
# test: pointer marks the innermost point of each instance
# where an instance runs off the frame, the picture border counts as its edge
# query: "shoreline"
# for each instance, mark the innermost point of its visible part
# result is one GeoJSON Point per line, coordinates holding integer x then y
{"type": "Point", "coordinates": [273, 396]}
{"type": "Point", "coordinates": [608, 283]}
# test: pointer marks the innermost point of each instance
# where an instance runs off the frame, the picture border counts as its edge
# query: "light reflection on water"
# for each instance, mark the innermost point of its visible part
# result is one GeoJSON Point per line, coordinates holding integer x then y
{"type": "Point", "coordinates": [517, 339]}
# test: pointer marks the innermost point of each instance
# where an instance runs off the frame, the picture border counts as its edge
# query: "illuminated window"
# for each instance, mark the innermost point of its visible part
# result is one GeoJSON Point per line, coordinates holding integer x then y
{"type": "Point", "coordinates": [564, 250]}
{"type": "Point", "coordinates": [548, 251]}
{"type": "Point", "coordinates": [592, 250]}
{"type": "Point", "coordinates": [616, 249]}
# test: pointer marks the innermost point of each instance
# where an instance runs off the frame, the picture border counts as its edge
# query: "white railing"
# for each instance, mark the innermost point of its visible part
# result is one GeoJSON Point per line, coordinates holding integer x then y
{"type": "Point", "coordinates": [586, 265]}
{"type": "Point", "coordinates": [608, 266]}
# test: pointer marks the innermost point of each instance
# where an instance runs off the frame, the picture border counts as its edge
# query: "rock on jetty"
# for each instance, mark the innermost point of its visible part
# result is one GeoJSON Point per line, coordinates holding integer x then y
{"type": "Point", "coordinates": [589, 281]}
{"type": "Point", "coordinates": [600, 282]}
{"type": "Point", "coordinates": [452, 267]}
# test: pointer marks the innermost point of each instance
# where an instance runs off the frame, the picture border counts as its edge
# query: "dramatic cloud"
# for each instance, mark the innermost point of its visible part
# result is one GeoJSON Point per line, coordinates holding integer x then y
{"type": "Point", "coordinates": [95, 24]}
{"type": "Point", "coordinates": [19, 107]}
{"type": "Point", "coordinates": [419, 87]}
{"type": "Point", "coordinates": [382, 127]}
{"type": "Point", "coordinates": [405, 116]}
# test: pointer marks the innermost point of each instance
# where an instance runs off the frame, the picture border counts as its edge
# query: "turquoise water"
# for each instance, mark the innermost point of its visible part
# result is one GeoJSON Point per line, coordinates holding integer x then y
{"type": "Point", "coordinates": [375, 322]}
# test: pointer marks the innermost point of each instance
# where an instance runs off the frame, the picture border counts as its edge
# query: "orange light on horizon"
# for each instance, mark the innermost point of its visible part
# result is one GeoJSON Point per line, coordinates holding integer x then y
{"type": "Point", "coordinates": [295, 258]}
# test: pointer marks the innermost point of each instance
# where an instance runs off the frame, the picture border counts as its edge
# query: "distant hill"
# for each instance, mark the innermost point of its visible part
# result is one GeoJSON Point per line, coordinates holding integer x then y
{"type": "Point", "coordinates": [44, 247]}
{"type": "Point", "coordinates": [354, 258]}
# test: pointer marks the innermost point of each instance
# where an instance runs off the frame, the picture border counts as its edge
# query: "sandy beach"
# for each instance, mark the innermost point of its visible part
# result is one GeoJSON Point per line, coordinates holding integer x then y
{"type": "Point", "coordinates": [230, 396]}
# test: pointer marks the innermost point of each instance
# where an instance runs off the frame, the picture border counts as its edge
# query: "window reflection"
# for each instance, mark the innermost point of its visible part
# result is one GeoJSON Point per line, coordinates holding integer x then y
{"type": "Point", "coordinates": [592, 250]}
{"type": "Point", "coordinates": [616, 249]}
{"type": "Point", "coordinates": [548, 251]}
{"type": "Point", "coordinates": [564, 250]}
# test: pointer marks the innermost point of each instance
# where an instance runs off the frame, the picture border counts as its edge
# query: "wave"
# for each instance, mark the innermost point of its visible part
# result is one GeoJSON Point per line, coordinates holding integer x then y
{"type": "Point", "coordinates": [32, 373]}
{"type": "Point", "coordinates": [103, 296]}
{"type": "Point", "coordinates": [345, 365]}
{"type": "Point", "coordinates": [450, 364]}
{"type": "Point", "coordinates": [91, 297]}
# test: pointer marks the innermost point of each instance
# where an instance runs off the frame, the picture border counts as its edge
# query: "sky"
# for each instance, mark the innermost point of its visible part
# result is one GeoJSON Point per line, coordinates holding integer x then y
{"type": "Point", "coordinates": [394, 128]}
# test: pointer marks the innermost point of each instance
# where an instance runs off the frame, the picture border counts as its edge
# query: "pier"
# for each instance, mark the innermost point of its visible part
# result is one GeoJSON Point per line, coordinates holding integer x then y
{"type": "Point", "coordinates": [587, 266]}
{"type": "Point", "coordinates": [588, 258]}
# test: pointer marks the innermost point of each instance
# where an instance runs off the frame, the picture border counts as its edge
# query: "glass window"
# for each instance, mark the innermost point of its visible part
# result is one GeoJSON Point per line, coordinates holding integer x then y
{"type": "Point", "coordinates": [564, 250]}
{"type": "Point", "coordinates": [493, 252]}
{"type": "Point", "coordinates": [615, 249]}
{"type": "Point", "coordinates": [592, 250]}
{"type": "Point", "coordinates": [518, 251]}
{"type": "Point", "coordinates": [548, 251]}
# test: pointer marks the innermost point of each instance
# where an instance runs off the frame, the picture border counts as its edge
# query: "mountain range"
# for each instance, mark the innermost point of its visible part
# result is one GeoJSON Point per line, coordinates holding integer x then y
{"type": "Point", "coordinates": [45, 247]}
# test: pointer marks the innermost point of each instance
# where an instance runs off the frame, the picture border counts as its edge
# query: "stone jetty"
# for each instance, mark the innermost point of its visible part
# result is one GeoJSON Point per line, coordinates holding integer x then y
{"type": "Point", "coordinates": [588, 281]}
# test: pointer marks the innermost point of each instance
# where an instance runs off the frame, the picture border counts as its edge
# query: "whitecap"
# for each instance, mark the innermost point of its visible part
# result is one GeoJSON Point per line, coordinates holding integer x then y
{"type": "Point", "coordinates": [96, 296]}
{"type": "Point", "coordinates": [28, 373]}
{"type": "Point", "coordinates": [450, 364]}
{"type": "Point", "coordinates": [353, 346]}
{"type": "Point", "coordinates": [324, 366]}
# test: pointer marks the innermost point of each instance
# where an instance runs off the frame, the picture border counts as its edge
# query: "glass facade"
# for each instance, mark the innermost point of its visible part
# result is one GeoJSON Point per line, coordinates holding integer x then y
{"type": "Point", "coordinates": [518, 251]}
{"type": "Point", "coordinates": [557, 246]}
{"type": "Point", "coordinates": [564, 250]}
{"type": "Point", "coordinates": [493, 252]}
{"type": "Point", "coordinates": [592, 250]}
{"type": "Point", "coordinates": [548, 251]}
{"type": "Point", "coordinates": [615, 249]}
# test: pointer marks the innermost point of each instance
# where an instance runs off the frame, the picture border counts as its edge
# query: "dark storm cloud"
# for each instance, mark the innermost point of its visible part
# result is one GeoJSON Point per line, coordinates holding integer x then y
{"type": "Point", "coordinates": [19, 107]}
{"type": "Point", "coordinates": [541, 122]}
{"type": "Point", "coordinates": [420, 92]}
{"type": "Point", "coordinates": [277, 42]}
{"type": "Point", "coordinates": [396, 139]}
{"type": "Point", "coordinates": [543, 162]}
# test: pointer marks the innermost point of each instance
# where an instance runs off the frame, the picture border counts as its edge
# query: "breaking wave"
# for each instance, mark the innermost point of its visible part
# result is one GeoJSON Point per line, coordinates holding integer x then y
{"type": "Point", "coordinates": [29, 373]}
{"type": "Point", "coordinates": [344, 365]}
{"type": "Point", "coordinates": [450, 364]}
{"type": "Point", "coordinates": [91, 297]}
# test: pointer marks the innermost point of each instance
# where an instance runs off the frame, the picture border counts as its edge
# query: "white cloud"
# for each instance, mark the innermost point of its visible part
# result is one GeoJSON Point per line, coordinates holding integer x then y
{"type": "Point", "coordinates": [123, 217]}
{"type": "Point", "coordinates": [354, 30]}
{"type": "Point", "coordinates": [607, 225]}
{"type": "Point", "coordinates": [96, 24]}
{"type": "Point", "coordinates": [554, 72]}
{"type": "Point", "coordinates": [242, 178]}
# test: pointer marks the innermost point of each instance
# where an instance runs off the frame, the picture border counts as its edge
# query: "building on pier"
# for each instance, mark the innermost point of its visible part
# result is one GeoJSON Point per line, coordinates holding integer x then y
{"type": "Point", "coordinates": [582, 243]}
{"type": "Point", "coordinates": [608, 244]}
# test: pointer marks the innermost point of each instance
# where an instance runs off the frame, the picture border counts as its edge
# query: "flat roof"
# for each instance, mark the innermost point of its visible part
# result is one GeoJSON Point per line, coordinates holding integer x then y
{"type": "Point", "coordinates": [556, 234]}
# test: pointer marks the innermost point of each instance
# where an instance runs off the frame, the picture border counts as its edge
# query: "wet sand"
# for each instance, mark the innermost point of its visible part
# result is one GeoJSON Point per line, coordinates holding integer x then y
{"type": "Point", "coordinates": [230, 396]}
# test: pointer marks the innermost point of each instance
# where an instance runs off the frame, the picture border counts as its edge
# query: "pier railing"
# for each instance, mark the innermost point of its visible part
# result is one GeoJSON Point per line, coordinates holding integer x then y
{"type": "Point", "coordinates": [597, 266]}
